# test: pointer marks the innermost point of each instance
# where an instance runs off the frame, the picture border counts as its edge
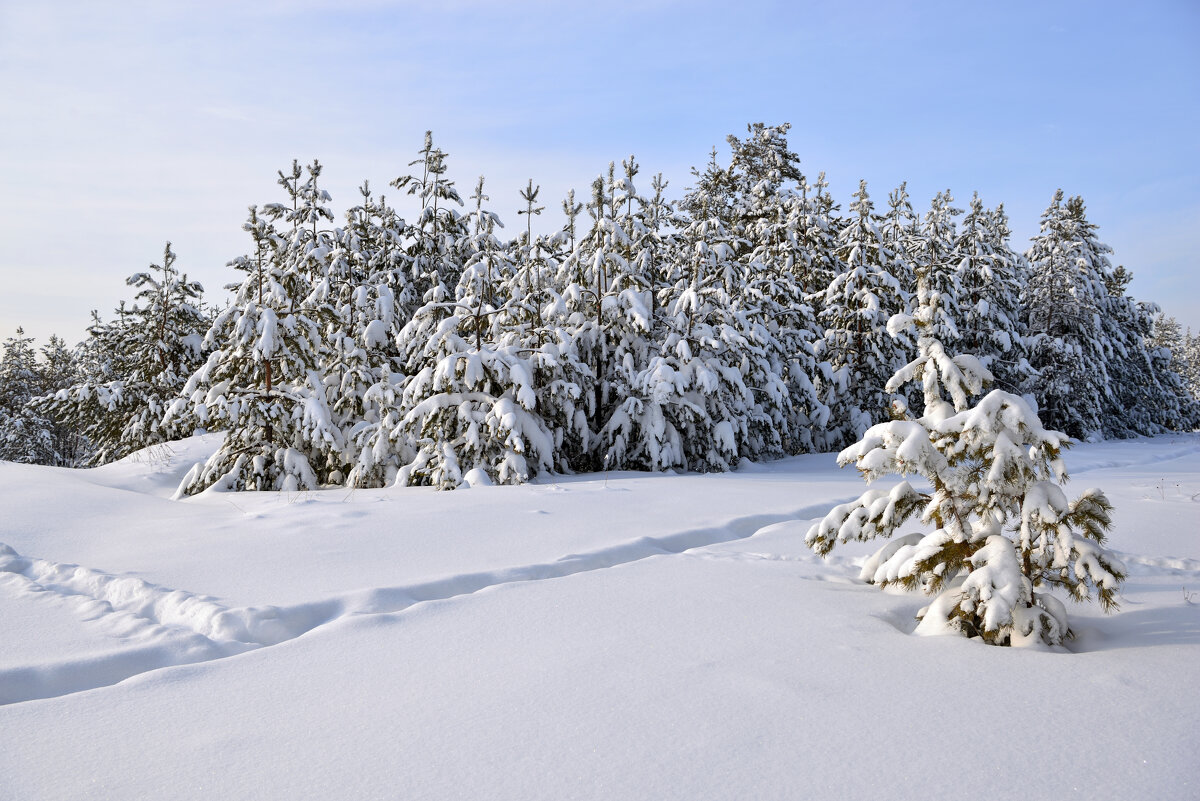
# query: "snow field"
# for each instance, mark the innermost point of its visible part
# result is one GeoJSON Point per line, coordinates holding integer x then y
{"type": "Point", "coordinates": [635, 637]}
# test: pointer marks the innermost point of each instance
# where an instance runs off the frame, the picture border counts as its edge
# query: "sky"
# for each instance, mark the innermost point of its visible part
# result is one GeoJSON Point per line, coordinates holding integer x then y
{"type": "Point", "coordinates": [127, 124]}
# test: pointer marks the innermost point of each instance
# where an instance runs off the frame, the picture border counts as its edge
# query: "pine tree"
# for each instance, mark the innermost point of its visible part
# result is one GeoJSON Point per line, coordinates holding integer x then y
{"type": "Point", "coordinates": [623, 275]}
{"type": "Point", "coordinates": [470, 403]}
{"type": "Point", "coordinates": [780, 365]}
{"type": "Point", "coordinates": [1149, 395]}
{"type": "Point", "coordinates": [1004, 532]}
{"type": "Point", "coordinates": [690, 406]}
{"type": "Point", "coordinates": [532, 256]}
{"type": "Point", "coordinates": [143, 358]}
{"type": "Point", "coordinates": [373, 298]}
{"type": "Point", "coordinates": [901, 233]}
{"type": "Point", "coordinates": [562, 340]}
{"type": "Point", "coordinates": [61, 368]}
{"type": "Point", "coordinates": [935, 259]}
{"type": "Point", "coordinates": [1169, 363]}
{"type": "Point", "coordinates": [990, 276]}
{"type": "Point", "coordinates": [435, 271]}
{"type": "Point", "coordinates": [929, 260]}
{"type": "Point", "coordinates": [26, 433]}
{"type": "Point", "coordinates": [816, 230]}
{"type": "Point", "coordinates": [262, 383]}
{"type": "Point", "coordinates": [1190, 363]}
{"type": "Point", "coordinates": [856, 308]}
{"type": "Point", "coordinates": [743, 221]}
{"type": "Point", "coordinates": [1063, 302]}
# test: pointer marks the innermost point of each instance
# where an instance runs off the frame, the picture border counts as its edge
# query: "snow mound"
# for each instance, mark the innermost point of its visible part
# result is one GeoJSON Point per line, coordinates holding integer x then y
{"type": "Point", "coordinates": [156, 470]}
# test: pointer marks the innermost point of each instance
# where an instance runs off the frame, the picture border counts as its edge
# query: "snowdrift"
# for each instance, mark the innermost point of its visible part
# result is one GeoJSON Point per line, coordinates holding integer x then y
{"type": "Point", "coordinates": [620, 636]}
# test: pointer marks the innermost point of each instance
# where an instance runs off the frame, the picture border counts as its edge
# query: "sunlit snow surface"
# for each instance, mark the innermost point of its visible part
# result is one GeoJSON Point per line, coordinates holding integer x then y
{"type": "Point", "coordinates": [628, 636]}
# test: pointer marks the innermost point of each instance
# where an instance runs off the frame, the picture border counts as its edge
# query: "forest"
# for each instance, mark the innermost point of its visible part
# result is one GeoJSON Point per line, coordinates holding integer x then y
{"type": "Point", "coordinates": [747, 319]}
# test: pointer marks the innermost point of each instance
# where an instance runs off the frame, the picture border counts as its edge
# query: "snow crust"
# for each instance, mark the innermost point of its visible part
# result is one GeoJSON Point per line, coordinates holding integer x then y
{"type": "Point", "coordinates": [619, 636]}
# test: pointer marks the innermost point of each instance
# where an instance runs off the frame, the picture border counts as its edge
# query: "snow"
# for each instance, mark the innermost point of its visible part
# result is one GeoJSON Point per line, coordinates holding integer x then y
{"type": "Point", "coordinates": [626, 635]}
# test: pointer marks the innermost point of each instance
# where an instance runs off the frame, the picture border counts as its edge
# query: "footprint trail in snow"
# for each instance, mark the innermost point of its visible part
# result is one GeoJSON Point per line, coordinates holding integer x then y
{"type": "Point", "coordinates": [162, 627]}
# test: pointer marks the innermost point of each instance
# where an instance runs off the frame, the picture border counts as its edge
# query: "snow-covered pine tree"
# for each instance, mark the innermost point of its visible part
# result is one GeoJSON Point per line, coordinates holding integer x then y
{"type": "Point", "coordinates": [435, 270]}
{"type": "Point", "coordinates": [779, 362]}
{"type": "Point", "coordinates": [624, 275]}
{"type": "Point", "coordinates": [1171, 362]}
{"type": "Point", "coordinates": [760, 165]}
{"type": "Point", "coordinates": [601, 311]}
{"type": "Point", "coordinates": [1149, 395]}
{"type": "Point", "coordinates": [816, 230]}
{"type": "Point", "coordinates": [307, 253]}
{"type": "Point", "coordinates": [655, 248]}
{"type": "Point", "coordinates": [430, 264]}
{"type": "Point", "coordinates": [929, 252]}
{"type": "Point", "coordinates": [1004, 535]}
{"type": "Point", "coordinates": [1190, 363]}
{"type": "Point", "coordinates": [101, 355]}
{"type": "Point", "coordinates": [1167, 333]}
{"type": "Point", "coordinates": [532, 255]}
{"type": "Point", "coordinates": [901, 233]}
{"type": "Point", "coordinates": [368, 270]}
{"type": "Point", "coordinates": [562, 344]}
{"type": "Point", "coordinates": [934, 262]}
{"type": "Point", "coordinates": [855, 310]}
{"type": "Point", "coordinates": [722, 353]}
{"type": "Point", "coordinates": [712, 197]}
{"type": "Point", "coordinates": [536, 262]}
{"type": "Point", "coordinates": [144, 358]}
{"type": "Point", "coordinates": [690, 407]}
{"type": "Point", "coordinates": [990, 276]}
{"type": "Point", "coordinates": [470, 404]}
{"type": "Point", "coordinates": [634, 319]}
{"type": "Point", "coordinates": [261, 382]}
{"type": "Point", "coordinates": [61, 368]}
{"type": "Point", "coordinates": [26, 431]}
{"type": "Point", "coordinates": [1062, 303]}
{"type": "Point", "coordinates": [1170, 371]}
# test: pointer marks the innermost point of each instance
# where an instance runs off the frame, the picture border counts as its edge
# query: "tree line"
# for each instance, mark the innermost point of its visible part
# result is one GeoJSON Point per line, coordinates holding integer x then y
{"type": "Point", "coordinates": [747, 319]}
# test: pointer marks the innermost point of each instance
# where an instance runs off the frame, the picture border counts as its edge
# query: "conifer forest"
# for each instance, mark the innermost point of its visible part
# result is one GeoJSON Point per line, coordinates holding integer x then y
{"type": "Point", "coordinates": [744, 318]}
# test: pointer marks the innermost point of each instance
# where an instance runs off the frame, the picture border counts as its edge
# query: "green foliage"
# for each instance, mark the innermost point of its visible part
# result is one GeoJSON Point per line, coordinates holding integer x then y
{"type": "Point", "coordinates": [1003, 532]}
{"type": "Point", "coordinates": [746, 321]}
{"type": "Point", "coordinates": [137, 364]}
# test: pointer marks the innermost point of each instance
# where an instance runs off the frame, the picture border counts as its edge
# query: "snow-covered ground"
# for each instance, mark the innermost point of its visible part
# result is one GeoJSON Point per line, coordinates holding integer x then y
{"type": "Point", "coordinates": [624, 637]}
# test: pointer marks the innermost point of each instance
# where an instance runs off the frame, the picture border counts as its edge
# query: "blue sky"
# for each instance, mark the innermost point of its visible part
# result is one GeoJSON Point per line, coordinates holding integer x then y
{"type": "Point", "coordinates": [127, 124]}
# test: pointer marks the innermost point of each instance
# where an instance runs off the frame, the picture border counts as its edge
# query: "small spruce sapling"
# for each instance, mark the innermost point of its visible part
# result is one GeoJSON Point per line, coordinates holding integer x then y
{"type": "Point", "coordinates": [1004, 532]}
